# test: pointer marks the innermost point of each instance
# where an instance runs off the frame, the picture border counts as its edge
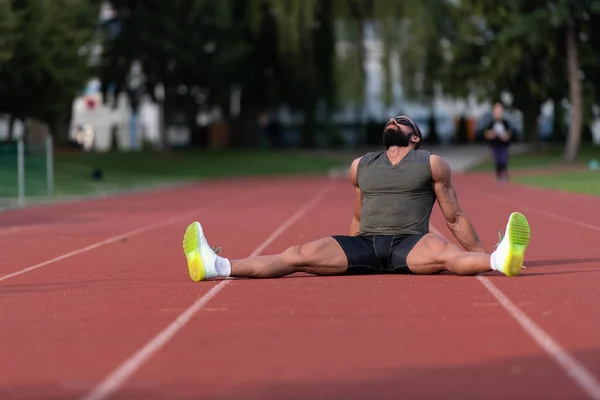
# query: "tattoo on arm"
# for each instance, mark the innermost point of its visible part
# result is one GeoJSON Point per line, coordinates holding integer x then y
{"type": "Point", "coordinates": [456, 219]}
{"type": "Point", "coordinates": [450, 194]}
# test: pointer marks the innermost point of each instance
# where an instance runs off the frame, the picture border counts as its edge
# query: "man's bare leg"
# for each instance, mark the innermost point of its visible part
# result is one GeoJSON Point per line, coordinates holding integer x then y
{"type": "Point", "coordinates": [320, 257]}
{"type": "Point", "coordinates": [433, 254]}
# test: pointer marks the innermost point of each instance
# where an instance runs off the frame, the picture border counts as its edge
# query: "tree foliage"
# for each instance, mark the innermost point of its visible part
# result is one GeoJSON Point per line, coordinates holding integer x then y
{"type": "Point", "coordinates": [7, 30]}
{"type": "Point", "coordinates": [534, 50]}
{"type": "Point", "coordinates": [308, 55]}
{"type": "Point", "coordinates": [49, 61]}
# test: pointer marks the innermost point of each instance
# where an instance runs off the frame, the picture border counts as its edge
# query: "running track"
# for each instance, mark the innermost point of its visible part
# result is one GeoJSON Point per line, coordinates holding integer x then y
{"type": "Point", "coordinates": [96, 303]}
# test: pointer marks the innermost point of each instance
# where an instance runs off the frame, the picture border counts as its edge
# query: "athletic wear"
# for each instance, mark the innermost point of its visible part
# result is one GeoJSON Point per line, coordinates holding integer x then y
{"type": "Point", "coordinates": [508, 256]}
{"type": "Point", "coordinates": [499, 127]}
{"type": "Point", "coordinates": [501, 155]}
{"type": "Point", "coordinates": [378, 254]}
{"type": "Point", "coordinates": [397, 199]}
{"type": "Point", "coordinates": [500, 148]}
{"type": "Point", "coordinates": [223, 267]}
{"type": "Point", "coordinates": [201, 258]}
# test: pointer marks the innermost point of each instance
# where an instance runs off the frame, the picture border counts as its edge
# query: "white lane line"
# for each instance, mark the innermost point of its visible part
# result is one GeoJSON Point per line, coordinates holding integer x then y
{"type": "Point", "coordinates": [543, 212]}
{"type": "Point", "coordinates": [8, 231]}
{"type": "Point", "coordinates": [573, 368]}
{"type": "Point", "coordinates": [113, 382]}
{"type": "Point", "coordinates": [101, 243]}
{"type": "Point", "coordinates": [582, 377]}
{"type": "Point", "coordinates": [110, 240]}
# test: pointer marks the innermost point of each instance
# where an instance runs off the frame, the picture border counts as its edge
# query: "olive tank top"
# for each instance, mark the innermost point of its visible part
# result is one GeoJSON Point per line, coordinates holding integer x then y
{"type": "Point", "coordinates": [397, 199]}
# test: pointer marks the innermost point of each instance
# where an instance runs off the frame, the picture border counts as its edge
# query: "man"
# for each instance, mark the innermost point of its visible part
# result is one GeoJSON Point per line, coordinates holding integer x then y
{"type": "Point", "coordinates": [396, 189]}
{"type": "Point", "coordinates": [498, 133]}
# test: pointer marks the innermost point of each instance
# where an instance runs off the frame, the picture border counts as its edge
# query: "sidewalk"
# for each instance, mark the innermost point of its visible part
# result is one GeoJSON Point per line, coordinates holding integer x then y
{"type": "Point", "coordinates": [460, 158]}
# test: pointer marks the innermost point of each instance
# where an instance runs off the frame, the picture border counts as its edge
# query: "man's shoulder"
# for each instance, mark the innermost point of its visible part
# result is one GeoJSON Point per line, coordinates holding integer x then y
{"type": "Point", "coordinates": [437, 159]}
{"type": "Point", "coordinates": [439, 166]}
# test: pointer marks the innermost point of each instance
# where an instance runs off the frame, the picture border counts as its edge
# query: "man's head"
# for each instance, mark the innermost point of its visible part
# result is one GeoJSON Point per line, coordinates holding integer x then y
{"type": "Point", "coordinates": [498, 110]}
{"type": "Point", "coordinates": [402, 132]}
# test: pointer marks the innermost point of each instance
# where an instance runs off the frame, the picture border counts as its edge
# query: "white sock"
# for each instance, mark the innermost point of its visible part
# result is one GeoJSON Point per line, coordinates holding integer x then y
{"type": "Point", "coordinates": [493, 262]}
{"type": "Point", "coordinates": [223, 267]}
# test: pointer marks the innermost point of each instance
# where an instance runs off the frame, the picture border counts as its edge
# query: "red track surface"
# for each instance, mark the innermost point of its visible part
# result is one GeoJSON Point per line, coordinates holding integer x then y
{"type": "Point", "coordinates": [68, 324]}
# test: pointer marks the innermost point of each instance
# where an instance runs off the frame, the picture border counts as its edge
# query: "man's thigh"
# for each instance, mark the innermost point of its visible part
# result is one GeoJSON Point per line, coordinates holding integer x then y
{"type": "Point", "coordinates": [428, 255]}
{"type": "Point", "coordinates": [320, 257]}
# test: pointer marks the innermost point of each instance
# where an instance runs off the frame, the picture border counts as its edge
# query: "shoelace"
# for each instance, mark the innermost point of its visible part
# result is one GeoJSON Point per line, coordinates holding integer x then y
{"type": "Point", "coordinates": [500, 237]}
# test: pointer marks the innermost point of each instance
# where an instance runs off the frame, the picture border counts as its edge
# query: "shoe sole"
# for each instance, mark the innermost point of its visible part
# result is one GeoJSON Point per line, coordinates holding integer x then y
{"type": "Point", "coordinates": [519, 233]}
{"type": "Point", "coordinates": [191, 242]}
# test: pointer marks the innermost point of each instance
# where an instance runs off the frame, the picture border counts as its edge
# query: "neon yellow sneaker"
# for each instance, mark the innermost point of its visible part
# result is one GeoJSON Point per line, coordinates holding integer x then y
{"type": "Point", "coordinates": [200, 256]}
{"type": "Point", "coordinates": [510, 252]}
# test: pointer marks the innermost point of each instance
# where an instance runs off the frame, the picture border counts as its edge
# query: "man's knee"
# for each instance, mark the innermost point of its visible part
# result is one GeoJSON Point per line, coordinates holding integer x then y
{"type": "Point", "coordinates": [453, 248]}
{"type": "Point", "coordinates": [448, 253]}
{"type": "Point", "coordinates": [296, 256]}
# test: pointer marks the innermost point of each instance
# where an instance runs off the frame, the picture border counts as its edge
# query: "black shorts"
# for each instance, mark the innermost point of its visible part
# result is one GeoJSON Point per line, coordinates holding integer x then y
{"type": "Point", "coordinates": [377, 254]}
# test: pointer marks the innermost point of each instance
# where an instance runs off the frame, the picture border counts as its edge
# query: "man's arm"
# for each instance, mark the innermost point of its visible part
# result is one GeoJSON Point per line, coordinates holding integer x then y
{"type": "Point", "coordinates": [355, 224]}
{"type": "Point", "coordinates": [456, 220]}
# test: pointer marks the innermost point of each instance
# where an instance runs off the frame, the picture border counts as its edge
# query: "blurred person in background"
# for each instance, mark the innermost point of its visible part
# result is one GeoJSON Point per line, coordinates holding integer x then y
{"type": "Point", "coordinates": [499, 133]}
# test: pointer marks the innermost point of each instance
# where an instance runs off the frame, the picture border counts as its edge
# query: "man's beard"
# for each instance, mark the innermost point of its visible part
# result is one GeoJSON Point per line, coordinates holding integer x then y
{"type": "Point", "coordinates": [395, 137]}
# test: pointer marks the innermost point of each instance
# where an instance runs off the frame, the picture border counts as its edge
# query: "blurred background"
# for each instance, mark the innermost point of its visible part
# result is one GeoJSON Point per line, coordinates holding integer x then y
{"type": "Point", "coordinates": [110, 95]}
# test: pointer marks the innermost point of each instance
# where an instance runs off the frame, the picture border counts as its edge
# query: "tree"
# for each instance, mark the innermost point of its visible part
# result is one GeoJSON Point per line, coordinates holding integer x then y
{"type": "Point", "coordinates": [286, 50]}
{"type": "Point", "coordinates": [422, 28]}
{"type": "Point", "coordinates": [567, 19]}
{"type": "Point", "coordinates": [527, 48]}
{"type": "Point", "coordinates": [50, 62]}
{"type": "Point", "coordinates": [304, 59]}
{"type": "Point", "coordinates": [490, 52]}
{"type": "Point", "coordinates": [191, 48]}
{"type": "Point", "coordinates": [7, 42]}
{"type": "Point", "coordinates": [7, 31]}
{"type": "Point", "coordinates": [573, 17]}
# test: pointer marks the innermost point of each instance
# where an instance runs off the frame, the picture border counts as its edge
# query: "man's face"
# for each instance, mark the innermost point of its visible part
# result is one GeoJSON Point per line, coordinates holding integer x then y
{"type": "Point", "coordinates": [396, 134]}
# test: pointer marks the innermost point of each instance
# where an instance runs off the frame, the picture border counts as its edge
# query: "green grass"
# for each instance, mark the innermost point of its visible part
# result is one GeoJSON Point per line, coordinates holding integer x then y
{"type": "Point", "coordinates": [550, 156]}
{"type": "Point", "coordinates": [72, 171]}
{"type": "Point", "coordinates": [578, 182]}
{"type": "Point", "coordinates": [35, 176]}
